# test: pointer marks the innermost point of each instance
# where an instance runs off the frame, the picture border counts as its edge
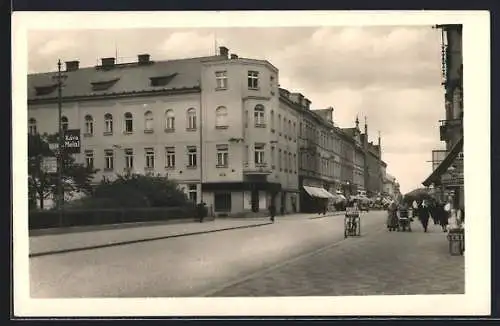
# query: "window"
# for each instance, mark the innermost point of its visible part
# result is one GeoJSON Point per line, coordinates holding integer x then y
{"type": "Point", "coordinates": [221, 117]}
{"type": "Point", "coordinates": [245, 155]}
{"type": "Point", "coordinates": [150, 158]}
{"type": "Point", "coordinates": [222, 155]}
{"type": "Point", "coordinates": [191, 116]}
{"type": "Point", "coordinates": [108, 123]}
{"type": "Point", "coordinates": [191, 156]}
{"type": "Point", "coordinates": [285, 131]}
{"type": "Point", "coordinates": [192, 193]}
{"type": "Point", "coordinates": [290, 165]}
{"type": "Point", "coordinates": [64, 123]}
{"type": "Point", "coordinates": [272, 157]}
{"type": "Point", "coordinates": [259, 154]}
{"type": "Point", "coordinates": [290, 130]}
{"type": "Point", "coordinates": [279, 161]}
{"type": "Point", "coordinates": [294, 130]}
{"type": "Point", "coordinates": [129, 158]}
{"type": "Point", "coordinates": [89, 158]}
{"type": "Point", "coordinates": [128, 123]}
{"type": "Point", "coordinates": [170, 157]}
{"type": "Point", "coordinates": [169, 120]}
{"type": "Point", "coordinates": [279, 123]}
{"type": "Point", "coordinates": [285, 161]}
{"type": "Point", "coordinates": [221, 79]}
{"type": "Point", "coordinates": [89, 125]}
{"type": "Point", "coordinates": [148, 121]}
{"type": "Point", "coordinates": [109, 159]}
{"type": "Point", "coordinates": [222, 202]}
{"type": "Point", "coordinates": [253, 79]}
{"type": "Point", "coordinates": [259, 116]}
{"type": "Point", "coordinates": [295, 163]}
{"type": "Point", "coordinates": [32, 126]}
{"type": "Point", "coordinates": [272, 121]}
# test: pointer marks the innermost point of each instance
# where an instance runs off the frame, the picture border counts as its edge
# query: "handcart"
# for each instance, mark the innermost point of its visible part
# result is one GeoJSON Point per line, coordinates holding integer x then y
{"type": "Point", "coordinates": [404, 220]}
{"type": "Point", "coordinates": [352, 222]}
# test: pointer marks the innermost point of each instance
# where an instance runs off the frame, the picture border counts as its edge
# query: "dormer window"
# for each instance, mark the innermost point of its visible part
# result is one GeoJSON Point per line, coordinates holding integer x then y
{"type": "Point", "coordinates": [104, 85]}
{"type": "Point", "coordinates": [45, 90]}
{"type": "Point", "coordinates": [161, 80]}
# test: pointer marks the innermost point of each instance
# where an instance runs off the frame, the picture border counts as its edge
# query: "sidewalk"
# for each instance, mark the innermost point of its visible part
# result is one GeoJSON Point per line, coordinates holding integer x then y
{"type": "Point", "coordinates": [107, 236]}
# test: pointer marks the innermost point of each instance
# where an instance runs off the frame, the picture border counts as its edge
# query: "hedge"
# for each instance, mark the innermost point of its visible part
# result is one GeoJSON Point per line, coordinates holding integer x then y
{"type": "Point", "coordinates": [84, 217]}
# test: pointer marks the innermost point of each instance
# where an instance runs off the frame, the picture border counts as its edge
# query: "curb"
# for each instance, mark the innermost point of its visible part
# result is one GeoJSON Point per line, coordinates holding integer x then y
{"type": "Point", "coordinates": [121, 243]}
{"type": "Point", "coordinates": [329, 215]}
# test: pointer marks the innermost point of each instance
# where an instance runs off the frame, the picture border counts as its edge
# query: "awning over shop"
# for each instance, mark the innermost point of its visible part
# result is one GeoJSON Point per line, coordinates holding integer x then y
{"type": "Point", "coordinates": [445, 164]}
{"type": "Point", "coordinates": [318, 192]}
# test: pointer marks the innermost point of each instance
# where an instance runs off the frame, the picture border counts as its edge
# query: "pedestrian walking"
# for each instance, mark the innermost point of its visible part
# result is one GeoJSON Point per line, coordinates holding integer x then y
{"type": "Point", "coordinates": [442, 215]}
{"type": "Point", "coordinates": [201, 211]}
{"type": "Point", "coordinates": [423, 214]}
{"type": "Point", "coordinates": [325, 207]}
{"type": "Point", "coordinates": [272, 212]}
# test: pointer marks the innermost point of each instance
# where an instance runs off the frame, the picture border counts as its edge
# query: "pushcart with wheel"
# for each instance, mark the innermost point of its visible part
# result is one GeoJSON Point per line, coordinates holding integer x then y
{"type": "Point", "coordinates": [404, 220]}
{"type": "Point", "coordinates": [352, 222]}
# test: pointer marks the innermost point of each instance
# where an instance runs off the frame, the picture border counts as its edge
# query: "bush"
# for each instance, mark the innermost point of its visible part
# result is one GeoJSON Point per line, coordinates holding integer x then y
{"type": "Point", "coordinates": [84, 217]}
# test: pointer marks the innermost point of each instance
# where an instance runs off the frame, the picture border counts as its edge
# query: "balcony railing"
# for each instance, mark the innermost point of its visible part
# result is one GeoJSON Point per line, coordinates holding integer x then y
{"type": "Point", "coordinates": [256, 168]}
{"type": "Point", "coordinates": [447, 126]}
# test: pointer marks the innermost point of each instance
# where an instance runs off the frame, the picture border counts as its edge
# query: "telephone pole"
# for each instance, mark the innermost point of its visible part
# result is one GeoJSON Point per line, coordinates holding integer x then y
{"type": "Point", "coordinates": [60, 186]}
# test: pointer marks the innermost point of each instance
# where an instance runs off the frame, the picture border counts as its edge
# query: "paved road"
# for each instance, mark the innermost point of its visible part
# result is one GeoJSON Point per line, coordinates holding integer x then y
{"type": "Point", "coordinates": [185, 266]}
{"type": "Point", "coordinates": [378, 263]}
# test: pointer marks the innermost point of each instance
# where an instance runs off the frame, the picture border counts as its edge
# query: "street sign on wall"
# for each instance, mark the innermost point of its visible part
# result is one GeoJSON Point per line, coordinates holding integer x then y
{"type": "Point", "coordinates": [72, 141]}
{"type": "Point", "coordinates": [49, 164]}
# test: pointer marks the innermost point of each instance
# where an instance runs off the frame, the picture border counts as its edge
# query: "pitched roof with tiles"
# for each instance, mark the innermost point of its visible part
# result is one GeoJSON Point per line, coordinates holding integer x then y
{"type": "Point", "coordinates": [121, 79]}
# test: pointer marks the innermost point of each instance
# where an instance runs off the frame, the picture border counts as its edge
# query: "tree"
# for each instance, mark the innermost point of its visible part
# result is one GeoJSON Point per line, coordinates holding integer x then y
{"type": "Point", "coordinates": [136, 190]}
{"type": "Point", "coordinates": [76, 177]}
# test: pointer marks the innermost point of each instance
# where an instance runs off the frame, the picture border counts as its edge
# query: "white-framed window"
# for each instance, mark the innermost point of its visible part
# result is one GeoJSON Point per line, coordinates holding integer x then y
{"type": "Point", "coordinates": [170, 157]}
{"type": "Point", "coordinates": [109, 159]}
{"type": "Point", "coordinates": [192, 155]}
{"type": "Point", "coordinates": [272, 120]}
{"type": "Point", "coordinates": [129, 158]}
{"type": "Point", "coordinates": [258, 114]}
{"type": "Point", "coordinates": [148, 121]}
{"type": "Point", "coordinates": [129, 123]}
{"type": "Point", "coordinates": [150, 158]}
{"type": "Point", "coordinates": [221, 117]}
{"type": "Point", "coordinates": [89, 158]}
{"type": "Point", "coordinates": [89, 125]}
{"type": "Point", "coordinates": [222, 155]}
{"type": "Point", "coordinates": [32, 126]}
{"type": "Point", "coordinates": [108, 123]}
{"type": "Point", "coordinates": [191, 118]}
{"type": "Point", "coordinates": [259, 149]}
{"type": "Point", "coordinates": [64, 123]}
{"type": "Point", "coordinates": [169, 120]}
{"type": "Point", "coordinates": [193, 193]}
{"type": "Point", "coordinates": [221, 79]}
{"type": "Point", "coordinates": [253, 79]}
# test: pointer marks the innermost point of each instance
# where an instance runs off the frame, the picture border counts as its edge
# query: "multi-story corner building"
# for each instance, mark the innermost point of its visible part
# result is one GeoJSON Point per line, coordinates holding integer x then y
{"type": "Point", "coordinates": [215, 124]}
{"type": "Point", "coordinates": [447, 176]}
{"type": "Point", "coordinates": [389, 187]}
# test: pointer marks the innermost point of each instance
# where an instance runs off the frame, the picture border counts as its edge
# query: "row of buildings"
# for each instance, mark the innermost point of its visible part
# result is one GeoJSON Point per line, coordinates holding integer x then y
{"type": "Point", "coordinates": [447, 177]}
{"type": "Point", "coordinates": [219, 125]}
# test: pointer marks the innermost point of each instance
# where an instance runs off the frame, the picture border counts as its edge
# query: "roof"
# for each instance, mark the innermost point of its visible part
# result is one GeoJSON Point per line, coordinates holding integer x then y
{"type": "Point", "coordinates": [445, 164]}
{"type": "Point", "coordinates": [121, 79]}
{"type": "Point", "coordinates": [349, 131]}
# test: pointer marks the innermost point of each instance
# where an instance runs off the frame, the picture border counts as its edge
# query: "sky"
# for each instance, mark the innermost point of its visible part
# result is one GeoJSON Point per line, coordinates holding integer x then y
{"type": "Point", "coordinates": [390, 74]}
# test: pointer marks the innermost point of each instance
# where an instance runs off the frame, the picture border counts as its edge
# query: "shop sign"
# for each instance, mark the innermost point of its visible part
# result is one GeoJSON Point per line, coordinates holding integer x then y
{"type": "Point", "coordinates": [72, 141]}
{"type": "Point", "coordinates": [49, 164]}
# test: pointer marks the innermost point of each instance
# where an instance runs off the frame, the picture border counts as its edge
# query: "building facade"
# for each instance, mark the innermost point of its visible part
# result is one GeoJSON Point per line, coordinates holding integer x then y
{"type": "Point", "coordinates": [447, 177]}
{"type": "Point", "coordinates": [204, 122]}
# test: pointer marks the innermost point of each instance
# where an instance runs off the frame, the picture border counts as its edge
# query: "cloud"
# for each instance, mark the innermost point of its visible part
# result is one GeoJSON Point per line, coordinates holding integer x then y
{"type": "Point", "coordinates": [390, 74]}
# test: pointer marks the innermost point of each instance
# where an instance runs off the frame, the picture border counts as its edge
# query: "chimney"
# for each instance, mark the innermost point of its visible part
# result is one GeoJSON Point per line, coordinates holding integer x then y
{"type": "Point", "coordinates": [72, 65]}
{"type": "Point", "coordinates": [234, 56]}
{"type": "Point", "coordinates": [108, 62]}
{"type": "Point", "coordinates": [224, 52]}
{"type": "Point", "coordinates": [143, 59]}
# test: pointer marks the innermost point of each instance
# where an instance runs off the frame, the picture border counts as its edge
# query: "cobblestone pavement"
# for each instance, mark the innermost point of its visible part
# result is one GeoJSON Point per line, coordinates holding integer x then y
{"type": "Point", "coordinates": [377, 263]}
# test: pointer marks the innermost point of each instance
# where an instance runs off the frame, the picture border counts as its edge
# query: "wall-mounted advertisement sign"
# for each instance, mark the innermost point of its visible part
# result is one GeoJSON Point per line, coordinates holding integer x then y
{"type": "Point", "coordinates": [72, 141]}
